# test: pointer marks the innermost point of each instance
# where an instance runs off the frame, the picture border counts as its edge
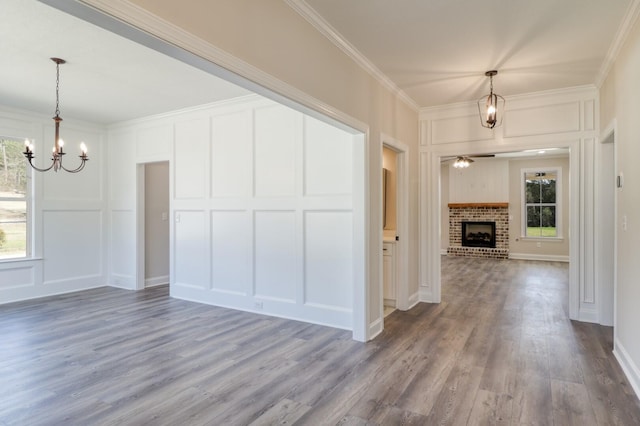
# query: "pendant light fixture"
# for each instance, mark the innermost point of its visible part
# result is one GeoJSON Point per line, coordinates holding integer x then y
{"type": "Point", "coordinates": [462, 162]}
{"type": "Point", "coordinates": [58, 151]}
{"type": "Point", "coordinates": [491, 107]}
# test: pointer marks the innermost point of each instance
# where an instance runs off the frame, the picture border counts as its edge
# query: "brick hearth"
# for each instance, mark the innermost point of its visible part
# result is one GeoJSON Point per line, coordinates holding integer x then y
{"type": "Point", "coordinates": [479, 212]}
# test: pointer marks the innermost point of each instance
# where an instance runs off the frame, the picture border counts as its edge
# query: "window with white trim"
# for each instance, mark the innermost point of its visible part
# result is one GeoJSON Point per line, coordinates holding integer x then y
{"type": "Point", "coordinates": [15, 199]}
{"type": "Point", "coordinates": [541, 216]}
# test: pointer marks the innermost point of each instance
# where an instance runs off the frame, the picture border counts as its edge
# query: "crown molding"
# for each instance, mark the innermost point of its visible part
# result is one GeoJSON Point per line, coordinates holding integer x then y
{"type": "Point", "coordinates": [319, 23]}
{"type": "Point", "coordinates": [630, 18]}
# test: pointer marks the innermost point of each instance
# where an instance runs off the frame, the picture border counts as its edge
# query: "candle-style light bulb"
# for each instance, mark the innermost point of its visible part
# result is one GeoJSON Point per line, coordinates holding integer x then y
{"type": "Point", "coordinates": [83, 148]}
{"type": "Point", "coordinates": [31, 147]}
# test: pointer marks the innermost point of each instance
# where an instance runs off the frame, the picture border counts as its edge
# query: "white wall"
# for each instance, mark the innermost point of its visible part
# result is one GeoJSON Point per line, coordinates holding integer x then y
{"type": "Point", "coordinates": [262, 207]}
{"type": "Point", "coordinates": [68, 212]}
{"type": "Point", "coordinates": [620, 111]}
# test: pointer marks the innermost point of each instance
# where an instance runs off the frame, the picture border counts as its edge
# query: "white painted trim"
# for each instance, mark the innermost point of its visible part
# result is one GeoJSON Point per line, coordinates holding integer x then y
{"type": "Point", "coordinates": [334, 36]}
{"type": "Point", "coordinates": [156, 281]}
{"type": "Point", "coordinates": [630, 17]}
{"type": "Point", "coordinates": [430, 277]}
{"type": "Point", "coordinates": [361, 240]}
{"type": "Point", "coordinates": [426, 295]}
{"type": "Point", "coordinates": [588, 314]}
{"type": "Point", "coordinates": [443, 252]}
{"type": "Point", "coordinates": [140, 224]}
{"type": "Point", "coordinates": [414, 299]}
{"type": "Point", "coordinates": [610, 130]}
{"type": "Point", "coordinates": [402, 217]}
{"type": "Point", "coordinates": [540, 257]}
{"type": "Point", "coordinates": [630, 369]}
{"type": "Point", "coordinates": [375, 328]}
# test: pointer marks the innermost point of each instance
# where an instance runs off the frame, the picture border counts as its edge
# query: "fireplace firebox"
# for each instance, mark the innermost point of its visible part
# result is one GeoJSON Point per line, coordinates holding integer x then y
{"type": "Point", "coordinates": [479, 234]}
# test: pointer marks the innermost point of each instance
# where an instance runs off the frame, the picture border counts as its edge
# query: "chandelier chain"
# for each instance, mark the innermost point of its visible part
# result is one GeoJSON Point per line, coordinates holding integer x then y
{"type": "Point", "coordinates": [57, 89]}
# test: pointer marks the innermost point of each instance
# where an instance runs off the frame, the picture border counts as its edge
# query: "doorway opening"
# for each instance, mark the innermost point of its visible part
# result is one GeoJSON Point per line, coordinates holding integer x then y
{"type": "Point", "coordinates": [447, 189]}
{"type": "Point", "coordinates": [395, 211]}
{"type": "Point", "coordinates": [153, 225]}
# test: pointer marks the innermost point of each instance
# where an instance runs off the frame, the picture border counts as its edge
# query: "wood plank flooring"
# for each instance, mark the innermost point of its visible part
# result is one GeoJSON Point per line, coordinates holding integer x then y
{"type": "Point", "coordinates": [498, 350]}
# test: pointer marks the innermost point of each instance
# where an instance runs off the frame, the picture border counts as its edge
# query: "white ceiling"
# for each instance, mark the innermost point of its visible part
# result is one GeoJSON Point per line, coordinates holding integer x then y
{"type": "Point", "coordinates": [437, 51]}
{"type": "Point", "coordinates": [106, 79]}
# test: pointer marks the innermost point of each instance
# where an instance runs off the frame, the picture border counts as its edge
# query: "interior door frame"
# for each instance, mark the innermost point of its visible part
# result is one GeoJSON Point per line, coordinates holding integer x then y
{"type": "Point", "coordinates": [608, 136]}
{"type": "Point", "coordinates": [402, 222]}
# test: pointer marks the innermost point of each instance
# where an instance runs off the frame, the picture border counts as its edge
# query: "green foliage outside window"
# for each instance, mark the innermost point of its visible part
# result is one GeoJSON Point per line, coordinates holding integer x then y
{"type": "Point", "coordinates": [13, 199]}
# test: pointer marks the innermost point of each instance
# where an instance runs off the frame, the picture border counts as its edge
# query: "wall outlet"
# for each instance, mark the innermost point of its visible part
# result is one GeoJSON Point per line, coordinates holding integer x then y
{"type": "Point", "coordinates": [538, 244]}
{"type": "Point", "coordinates": [258, 304]}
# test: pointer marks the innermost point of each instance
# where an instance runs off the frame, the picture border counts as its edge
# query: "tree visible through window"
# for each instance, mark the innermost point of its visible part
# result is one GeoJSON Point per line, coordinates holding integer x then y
{"type": "Point", "coordinates": [540, 207]}
{"type": "Point", "coordinates": [13, 200]}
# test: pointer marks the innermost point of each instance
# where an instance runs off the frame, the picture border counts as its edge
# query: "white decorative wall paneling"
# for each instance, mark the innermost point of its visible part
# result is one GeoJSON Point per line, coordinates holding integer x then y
{"type": "Point", "coordinates": [263, 208]}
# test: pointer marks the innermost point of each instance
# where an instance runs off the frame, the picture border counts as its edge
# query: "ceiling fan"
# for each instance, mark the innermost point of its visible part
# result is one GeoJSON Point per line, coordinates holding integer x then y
{"type": "Point", "coordinates": [464, 161]}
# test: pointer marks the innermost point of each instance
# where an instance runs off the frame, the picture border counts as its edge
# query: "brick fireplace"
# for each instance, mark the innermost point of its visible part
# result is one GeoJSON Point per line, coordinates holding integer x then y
{"type": "Point", "coordinates": [475, 213]}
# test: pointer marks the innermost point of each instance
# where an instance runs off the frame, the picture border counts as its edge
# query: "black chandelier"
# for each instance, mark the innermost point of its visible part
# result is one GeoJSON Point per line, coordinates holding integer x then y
{"type": "Point", "coordinates": [58, 152]}
{"type": "Point", "coordinates": [491, 107]}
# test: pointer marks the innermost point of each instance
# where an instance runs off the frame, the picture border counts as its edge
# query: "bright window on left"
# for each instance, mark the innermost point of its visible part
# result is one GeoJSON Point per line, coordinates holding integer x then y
{"type": "Point", "coordinates": [14, 200]}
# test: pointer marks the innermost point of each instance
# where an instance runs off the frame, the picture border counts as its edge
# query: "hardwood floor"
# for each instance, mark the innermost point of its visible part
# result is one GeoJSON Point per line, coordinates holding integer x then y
{"type": "Point", "coordinates": [499, 350]}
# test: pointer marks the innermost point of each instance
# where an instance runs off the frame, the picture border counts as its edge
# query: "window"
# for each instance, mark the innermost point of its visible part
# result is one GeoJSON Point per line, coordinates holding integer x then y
{"type": "Point", "coordinates": [14, 200]}
{"type": "Point", "coordinates": [541, 192]}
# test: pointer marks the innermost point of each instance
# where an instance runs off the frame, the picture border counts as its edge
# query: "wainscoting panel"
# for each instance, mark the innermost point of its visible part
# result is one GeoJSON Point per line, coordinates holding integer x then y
{"type": "Point", "coordinates": [191, 249]}
{"type": "Point", "coordinates": [67, 256]}
{"type": "Point", "coordinates": [191, 152]}
{"type": "Point", "coordinates": [16, 276]}
{"type": "Point", "coordinates": [328, 159]}
{"type": "Point", "coordinates": [543, 120]}
{"type": "Point", "coordinates": [230, 154]}
{"type": "Point", "coordinates": [328, 259]}
{"type": "Point", "coordinates": [275, 144]}
{"type": "Point", "coordinates": [123, 246]}
{"type": "Point", "coordinates": [276, 257]}
{"type": "Point", "coordinates": [231, 268]}
{"type": "Point", "coordinates": [462, 128]}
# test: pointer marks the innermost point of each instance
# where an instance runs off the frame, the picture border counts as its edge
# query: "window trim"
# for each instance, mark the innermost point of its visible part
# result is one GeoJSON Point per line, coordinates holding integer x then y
{"type": "Point", "coordinates": [523, 203]}
{"type": "Point", "coordinates": [29, 199]}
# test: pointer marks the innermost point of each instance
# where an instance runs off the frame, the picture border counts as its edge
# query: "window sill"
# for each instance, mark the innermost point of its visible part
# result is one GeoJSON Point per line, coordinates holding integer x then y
{"type": "Point", "coordinates": [19, 259]}
{"type": "Point", "coordinates": [539, 239]}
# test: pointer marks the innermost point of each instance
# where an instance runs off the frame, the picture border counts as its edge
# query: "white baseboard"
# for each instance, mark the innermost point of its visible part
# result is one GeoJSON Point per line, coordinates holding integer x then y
{"type": "Point", "coordinates": [152, 282]}
{"type": "Point", "coordinates": [586, 314]}
{"type": "Point", "coordinates": [414, 299]}
{"type": "Point", "coordinates": [375, 328]}
{"type": "Point", "coordinates": [426, 294]}
{"type": "Point", "coordinates": [543, 257]}
{"type": "Point", "coordinates": [443, 252]}
{"type": "Point", "coordinates": [630, 369]}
